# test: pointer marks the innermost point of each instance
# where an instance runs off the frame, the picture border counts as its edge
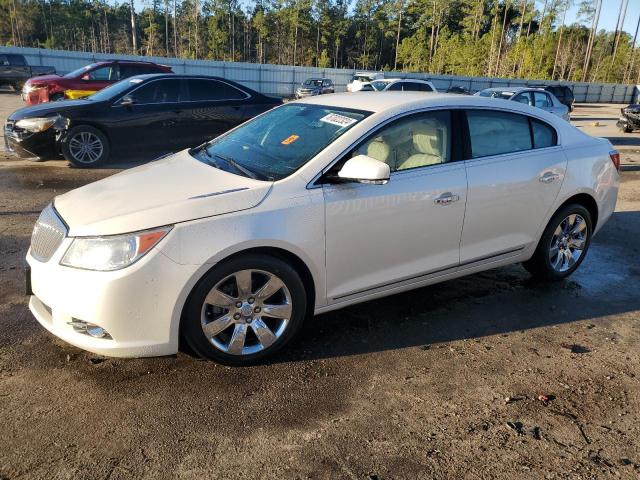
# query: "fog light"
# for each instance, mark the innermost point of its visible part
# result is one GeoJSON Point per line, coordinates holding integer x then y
{"type": "Point", "coordinates": [90, 329]}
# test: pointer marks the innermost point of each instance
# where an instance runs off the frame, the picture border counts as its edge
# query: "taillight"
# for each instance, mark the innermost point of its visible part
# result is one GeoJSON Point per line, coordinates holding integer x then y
{"type": "Point", "coordinates": [614, 155]}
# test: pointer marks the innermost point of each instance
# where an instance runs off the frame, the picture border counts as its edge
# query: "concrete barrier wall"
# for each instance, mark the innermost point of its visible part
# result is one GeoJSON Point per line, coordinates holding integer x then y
{"type": "Point", "coordinates": [282, 80]}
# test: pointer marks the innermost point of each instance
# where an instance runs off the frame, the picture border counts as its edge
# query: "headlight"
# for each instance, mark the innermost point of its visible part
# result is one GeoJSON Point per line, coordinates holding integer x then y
{"type": "Point", "coordinates": [112, 252]}
{"type": "Point", "coordinates": [36, 124]}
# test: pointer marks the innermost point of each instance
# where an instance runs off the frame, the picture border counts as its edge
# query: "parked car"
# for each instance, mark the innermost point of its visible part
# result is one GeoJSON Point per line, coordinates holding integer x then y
{"type": "Point", "coordinates": [361, 78]}
{"type": "Point", "coordinates": [85, 81]}
{"type": "Point", "coordinates": [146, 113]}
{"type": "Point", "coordinates": [562, 92]}
{"type": "Point", "coordinates": [536, 97]}
{"type": "Point", "coordinates": [15, 71]}
{"type": "Point", "coordinates": [399, 84]}
{"type": "Point", "coordinates": [315, 86]}
{"type": "Point", "coordinates": [318, 204]}
{"type": "Point", "coordinates": [629, 118]}
{"type": "Point", "coordinates": [460, 90]}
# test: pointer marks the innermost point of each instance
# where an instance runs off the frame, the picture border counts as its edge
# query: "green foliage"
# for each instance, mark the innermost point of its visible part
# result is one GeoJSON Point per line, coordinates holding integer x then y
{"type": "Point", "coordinates": [508, 38]}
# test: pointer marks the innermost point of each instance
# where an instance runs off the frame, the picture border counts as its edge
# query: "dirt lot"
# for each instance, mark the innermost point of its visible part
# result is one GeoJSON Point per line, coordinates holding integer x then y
{"type": "Point", "coordinates": [442, 382]}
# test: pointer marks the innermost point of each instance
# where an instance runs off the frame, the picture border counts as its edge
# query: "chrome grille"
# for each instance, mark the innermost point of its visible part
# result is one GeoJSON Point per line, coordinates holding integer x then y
{"type": "Point", "coordinates": [47, 235]}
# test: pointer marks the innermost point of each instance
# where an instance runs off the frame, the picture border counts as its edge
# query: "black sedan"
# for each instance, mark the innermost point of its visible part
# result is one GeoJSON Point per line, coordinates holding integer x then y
{"type": "Point", "coordinates": [140, 115]}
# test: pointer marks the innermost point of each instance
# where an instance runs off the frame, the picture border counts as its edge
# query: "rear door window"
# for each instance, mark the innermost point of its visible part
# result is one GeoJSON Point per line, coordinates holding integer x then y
{"type": "Point", "coordinates": [211, 90]}
{"type": "Point", "coordinates": [495, 132]}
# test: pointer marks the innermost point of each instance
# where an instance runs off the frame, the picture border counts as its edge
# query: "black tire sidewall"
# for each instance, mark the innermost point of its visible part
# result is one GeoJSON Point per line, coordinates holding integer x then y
{"type": "Point", "coordinates": [85, 128]}
{"type": "Point", "coordinates": [541, 257]}
{"type": "Point", "coordinates": [190, 326]}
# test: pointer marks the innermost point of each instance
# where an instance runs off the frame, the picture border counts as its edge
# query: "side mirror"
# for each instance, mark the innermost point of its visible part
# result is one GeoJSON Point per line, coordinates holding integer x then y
{"type": "Point", "coordinates": [364, 169]}
{"type": "Point", "coordinates": [127, 101]}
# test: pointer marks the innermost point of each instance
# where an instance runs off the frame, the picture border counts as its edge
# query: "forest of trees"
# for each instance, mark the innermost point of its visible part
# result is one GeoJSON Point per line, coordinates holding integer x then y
{"type": "Point", "coordinates": [507, 38]}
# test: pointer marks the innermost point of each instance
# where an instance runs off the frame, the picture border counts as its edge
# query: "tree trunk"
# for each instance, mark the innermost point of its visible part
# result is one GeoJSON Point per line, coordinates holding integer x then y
{"type": "Point", "coordinates": [555, 61]}
{"type": "Point", "coordinates": [134, 40]}
{"type": "Point", "coordinates": [621, 15]}
{"type": "Point", "coordinates": [594, 26]}
{"type": "Point", "coordinates": [395, 61]}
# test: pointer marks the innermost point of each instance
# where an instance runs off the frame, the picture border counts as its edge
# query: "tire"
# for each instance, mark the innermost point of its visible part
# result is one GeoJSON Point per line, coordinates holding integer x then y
{"type": "Point", "coordinates": [564, 233]}
{"type": "Point", "coordinates": [235, 311]}
{"type": "Point", "coordinates": [627, 130]}
{"type": "Point", "coordinates": [90, 136]}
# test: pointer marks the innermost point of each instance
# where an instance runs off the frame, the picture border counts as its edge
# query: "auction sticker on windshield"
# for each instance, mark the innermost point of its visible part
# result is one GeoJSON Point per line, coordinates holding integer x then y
{"type": "Point", "coordinates": [337, 119]}
{"type": "Point", "coordinates": [289, 139]}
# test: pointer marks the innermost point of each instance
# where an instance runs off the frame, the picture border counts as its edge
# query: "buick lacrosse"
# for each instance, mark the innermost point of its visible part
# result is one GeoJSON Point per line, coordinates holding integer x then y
{"type": "Point", "coordinates": [315, 205]}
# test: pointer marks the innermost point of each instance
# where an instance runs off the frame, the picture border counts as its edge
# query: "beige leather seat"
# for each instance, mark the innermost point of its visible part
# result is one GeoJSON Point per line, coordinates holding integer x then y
{"type": "Point", "coordinates": [378, 149]}
{"type": "Point", "coordinates": [427, 143]}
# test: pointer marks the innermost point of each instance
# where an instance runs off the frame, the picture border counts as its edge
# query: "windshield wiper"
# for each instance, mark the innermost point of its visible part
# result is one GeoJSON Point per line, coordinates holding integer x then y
{"type": "Point", "coordinates": [233, 163]}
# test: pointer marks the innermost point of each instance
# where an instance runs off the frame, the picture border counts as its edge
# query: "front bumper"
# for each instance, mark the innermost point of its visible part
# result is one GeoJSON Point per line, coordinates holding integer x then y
{"type": "Point", "coordinates": [137, 305]}
{"type": "Point", "coordinates": [41, 145]}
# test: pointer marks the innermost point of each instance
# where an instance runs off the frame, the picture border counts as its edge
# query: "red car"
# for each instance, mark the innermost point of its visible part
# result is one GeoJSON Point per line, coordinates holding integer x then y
{"type": "Point", "coordinates": [85, 81]}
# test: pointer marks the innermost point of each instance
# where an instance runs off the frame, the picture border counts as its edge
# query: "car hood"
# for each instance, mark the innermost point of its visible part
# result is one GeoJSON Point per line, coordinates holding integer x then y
{"type": "Point", "coordinates": [42, 79]}
{"type": "Point", "coordinates": [49, 108]}
{"type": "Point", "coordinates": [174, 189]}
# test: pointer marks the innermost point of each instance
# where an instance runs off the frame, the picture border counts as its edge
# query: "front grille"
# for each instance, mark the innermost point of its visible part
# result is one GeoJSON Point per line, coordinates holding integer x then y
{"type": "Point", "coordinates": [47, 235]}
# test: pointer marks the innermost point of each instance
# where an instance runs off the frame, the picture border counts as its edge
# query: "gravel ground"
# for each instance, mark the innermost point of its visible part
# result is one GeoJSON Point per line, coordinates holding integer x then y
{"type": "Point", "coordinates": [441, 382]}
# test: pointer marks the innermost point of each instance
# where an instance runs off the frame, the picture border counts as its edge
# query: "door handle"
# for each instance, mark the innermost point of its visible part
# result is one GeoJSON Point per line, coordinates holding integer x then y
{"type": "Point", "coordinates": [548, 177]}
{"type": "Point", "coordinates": [447, 198]}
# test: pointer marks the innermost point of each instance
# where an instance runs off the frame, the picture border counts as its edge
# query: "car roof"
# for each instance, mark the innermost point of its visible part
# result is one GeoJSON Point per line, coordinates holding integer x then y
{"type": "Point", "coordinates": [513, 90]}
{"type": "Point", "coordinates": [386, 100]}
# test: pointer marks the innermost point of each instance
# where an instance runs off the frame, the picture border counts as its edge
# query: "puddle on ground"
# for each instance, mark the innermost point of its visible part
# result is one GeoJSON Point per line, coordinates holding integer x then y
{"type": "Point", "coordinates": [605, 271]}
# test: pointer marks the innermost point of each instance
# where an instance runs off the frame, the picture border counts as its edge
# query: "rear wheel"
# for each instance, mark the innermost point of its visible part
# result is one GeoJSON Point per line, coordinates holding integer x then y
{"type": "Point", "coordinates": [563, 245]}
{"type": "Point", "coordinates": [244, 310]}
{"type": "Point", "coordinates": [85, 147]}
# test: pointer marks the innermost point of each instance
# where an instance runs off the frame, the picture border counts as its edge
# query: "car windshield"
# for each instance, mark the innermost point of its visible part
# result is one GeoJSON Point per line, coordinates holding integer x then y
{"type": "Point", "coordinates": [496, 94]}
{"type": "Point", "coordinates": [379, 85]}
{"type": "Point", "coordinates": [79, 71]}
{"type": "Point", "coordinates": [114, 90]}
{"type": "Point", "coordinates": [313, 82]}
{"type": "Point", "coordinates": [274, 145]}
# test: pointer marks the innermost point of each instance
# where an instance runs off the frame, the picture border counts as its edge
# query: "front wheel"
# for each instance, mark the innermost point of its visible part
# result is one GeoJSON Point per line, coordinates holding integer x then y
{"type": "Point", "coordinates": [563, 244]}
{"type": "Point", "coordinates": [244, 310]}
{"type": "Point", "coordinates": [85, 147]}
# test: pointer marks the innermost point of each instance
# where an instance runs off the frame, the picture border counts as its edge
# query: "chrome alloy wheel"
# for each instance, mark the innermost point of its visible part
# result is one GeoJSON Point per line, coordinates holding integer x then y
{"type": "Point", "coordinates": [568, 242]}
{"type": "Point", "coordinates": [85, 147]}
{"type": "Point", "coordinates": [246, 312]}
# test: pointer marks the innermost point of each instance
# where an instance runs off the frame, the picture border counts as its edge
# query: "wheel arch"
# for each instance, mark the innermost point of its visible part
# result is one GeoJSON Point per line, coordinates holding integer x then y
{"type": "Point", "coordinates": [587, 201]}
{"type": "Point", "coordinates": [280, 253]}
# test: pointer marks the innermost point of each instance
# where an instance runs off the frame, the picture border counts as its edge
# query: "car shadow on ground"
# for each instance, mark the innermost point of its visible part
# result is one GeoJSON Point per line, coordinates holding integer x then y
{"type": "Point", "coordinates": [494, 302]}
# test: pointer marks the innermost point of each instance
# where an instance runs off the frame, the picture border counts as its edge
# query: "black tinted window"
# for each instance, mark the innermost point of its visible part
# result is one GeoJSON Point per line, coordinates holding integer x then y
{"type": "Point", "coordinates": [17, 60]}
{"type": "Point", "coordinates": [495, 133]}
{"type": "Point", "coordinates": [158, 91]}
{"type": "Point", "coordinates": [200, 89]}
{"type": "Point", "coordinates": [543, 135]}
{"type": "Point", "coordinates": [127, 71]}
{"type": "Point", "coordinates": [396, 86]}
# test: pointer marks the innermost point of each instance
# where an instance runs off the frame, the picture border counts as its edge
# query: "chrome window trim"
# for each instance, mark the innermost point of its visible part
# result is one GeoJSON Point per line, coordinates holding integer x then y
{"type": "Point", "coordinates": [247, 95]}
{"type": "Point", "coordinates": [312, 183]}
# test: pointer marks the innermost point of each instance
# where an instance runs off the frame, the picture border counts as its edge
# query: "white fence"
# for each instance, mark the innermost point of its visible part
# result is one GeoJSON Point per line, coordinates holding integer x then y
{"type": "Point", "coordinates": [282, 80]}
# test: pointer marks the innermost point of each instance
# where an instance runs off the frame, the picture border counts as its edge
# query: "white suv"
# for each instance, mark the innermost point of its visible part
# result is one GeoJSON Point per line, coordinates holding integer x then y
{"type": "Point", "coordinates": [361, 78]}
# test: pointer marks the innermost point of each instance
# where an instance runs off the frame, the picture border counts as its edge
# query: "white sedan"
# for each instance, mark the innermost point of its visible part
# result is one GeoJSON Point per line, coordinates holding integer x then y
{"type": "Point", "coordinates": [315, 205]}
